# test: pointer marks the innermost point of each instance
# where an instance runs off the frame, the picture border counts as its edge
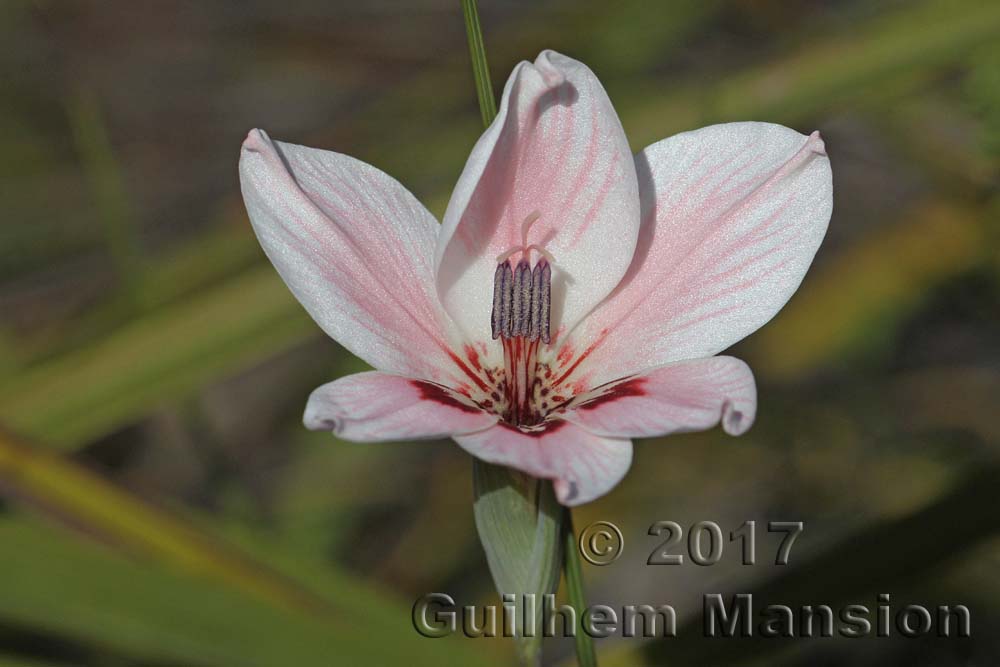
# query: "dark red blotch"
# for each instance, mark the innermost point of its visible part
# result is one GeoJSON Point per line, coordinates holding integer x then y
{"type": "Point", "coordinates": [625, 389]}
{"type": "Point", "coordinates": [433, 392]}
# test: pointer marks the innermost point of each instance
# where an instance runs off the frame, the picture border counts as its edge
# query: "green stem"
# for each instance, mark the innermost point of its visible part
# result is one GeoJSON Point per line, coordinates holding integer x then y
{"type": "Point", "coordinates": [574, 586]}
{"type": "Point", "coordinates": [480, 69]}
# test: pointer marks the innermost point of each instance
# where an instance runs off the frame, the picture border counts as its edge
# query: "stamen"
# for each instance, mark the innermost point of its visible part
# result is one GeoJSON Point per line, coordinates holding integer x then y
{"type": "Point", "coordinates": [542, 299]}
{"type": "Point", "coordinates": [536, 305]}
{"type": "Point", "coordinates": [521, 307]}
{"type": "Point", "coordinates": [522, 295]}
{"type": "Point", "coordinates": [502, 292]}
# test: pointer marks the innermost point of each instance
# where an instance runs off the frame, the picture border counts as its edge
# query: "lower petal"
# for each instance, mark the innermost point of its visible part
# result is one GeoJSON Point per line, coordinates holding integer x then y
{"type": "Point", "coordinates": [683, 396]}
{"type": "Point", "coordinates": [370, 407]}
{"type": "Point", "coordinates": [582, 465]}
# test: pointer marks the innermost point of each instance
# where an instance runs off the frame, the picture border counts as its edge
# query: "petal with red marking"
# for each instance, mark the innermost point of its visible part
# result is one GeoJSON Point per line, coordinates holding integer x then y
{"type": "Point", "coordinates": [557, 149]}
{"type": "Point", "coordinates": [583, 466]}
{"type": "Point", "coordinates": [679, 397]}
{"type": "Point", "coordinates": [371, 407]}
{"type": "Point", "coordinates": [355, 248]}
{"type": "Point", "coordinates": [732, 217]}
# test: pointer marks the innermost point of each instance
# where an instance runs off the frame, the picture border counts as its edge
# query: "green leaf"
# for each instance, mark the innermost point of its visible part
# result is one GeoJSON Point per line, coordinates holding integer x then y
{"type": "Point", "coordinates": [103, 172]}
{"type": "Point", "coordinates": [173, 586]}
{"type": "Point", "coordinates": [118, 610]}
{"type": "Point", "coordinates": [83, 394]}
{"type": "Point", "coordinates": [519, 522]}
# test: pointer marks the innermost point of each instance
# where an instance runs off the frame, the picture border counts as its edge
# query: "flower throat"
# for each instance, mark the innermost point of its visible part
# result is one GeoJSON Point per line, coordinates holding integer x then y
{"type": "Point", "coordinates": [522, 300]}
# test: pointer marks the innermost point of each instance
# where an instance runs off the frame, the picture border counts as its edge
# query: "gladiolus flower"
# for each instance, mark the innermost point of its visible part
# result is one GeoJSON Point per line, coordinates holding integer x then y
{"type": "Point", "coordinates": [574, 295]}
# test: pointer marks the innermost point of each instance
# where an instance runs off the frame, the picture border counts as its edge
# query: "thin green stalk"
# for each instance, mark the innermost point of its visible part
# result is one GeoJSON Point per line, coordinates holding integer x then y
{"type": "Point", "coordinates": [585, 654]}
{"type": "Point", "coordinates": [480, 68]}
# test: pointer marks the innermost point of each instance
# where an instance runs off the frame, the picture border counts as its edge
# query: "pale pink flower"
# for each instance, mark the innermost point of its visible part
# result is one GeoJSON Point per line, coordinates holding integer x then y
{"type": "Point", "coordinates": [573, 297]}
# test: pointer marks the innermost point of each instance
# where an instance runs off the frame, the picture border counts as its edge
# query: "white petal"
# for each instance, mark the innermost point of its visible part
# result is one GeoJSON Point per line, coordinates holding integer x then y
{"type": "Point", "coordinates": [355, 248]}
{"type": "Point", "coordinates": [682, 396]}
{"type": "Point", "coordinates": [732, 217]}
{"type": "Point", "coordinates": [582, 465]}
{"type": "Point", "coordinates": [368, 407]}
{"type": "Point", "coordinates": [556, 149]}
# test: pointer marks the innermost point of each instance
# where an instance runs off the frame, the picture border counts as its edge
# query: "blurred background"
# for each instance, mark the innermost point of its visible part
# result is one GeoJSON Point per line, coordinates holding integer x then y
{"type": "Point", "coordinates": [160, 502]}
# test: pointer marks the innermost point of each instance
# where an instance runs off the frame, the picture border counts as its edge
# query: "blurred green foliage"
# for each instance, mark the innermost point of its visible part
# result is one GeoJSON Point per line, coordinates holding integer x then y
{"type": "Point", "coordinates": [165, 507]}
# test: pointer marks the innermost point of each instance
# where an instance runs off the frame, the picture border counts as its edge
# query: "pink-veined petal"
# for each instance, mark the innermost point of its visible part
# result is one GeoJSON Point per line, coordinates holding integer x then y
{"type": "Point", "coordinates": [373, 406]}
{"type": "Point", "coordinates": [683, 396]}
{"type": "Point", "coordinates": [732, 217]}
{"type": "Point", "coordinates": [584, 466]}
{"type": "Point", "coordinates": [556, 149]}
{"type": "Point", "coordinates": [355, 248]}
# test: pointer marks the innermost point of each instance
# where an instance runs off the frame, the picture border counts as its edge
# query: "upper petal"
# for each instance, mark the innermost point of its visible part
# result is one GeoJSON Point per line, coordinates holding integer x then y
{"type": "Point", "coordinates": [556, 148]}
{"type": "Point", "coordinates": [732, 217]}
{"type": "Point", "coordinates": [683, 396]}
{"type": "Point", "coordinates": [374, 406]}
{"type": "Point", "coordinates": [582, 465]}
{"type": "Point", "coordinates": [354, 246]}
